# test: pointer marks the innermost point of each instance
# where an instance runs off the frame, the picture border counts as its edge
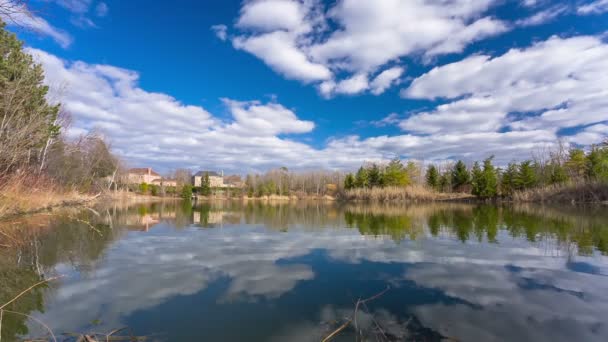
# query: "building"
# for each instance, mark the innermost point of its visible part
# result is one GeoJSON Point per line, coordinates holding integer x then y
{"type": "Point", "coordinates": [234, 181]}
{"type": "Point", "coordinates": [215, 179]}
{"type": "Point", "coordinates": [142, 175]}
{"type": "Point", "coordinates": [165, 182]}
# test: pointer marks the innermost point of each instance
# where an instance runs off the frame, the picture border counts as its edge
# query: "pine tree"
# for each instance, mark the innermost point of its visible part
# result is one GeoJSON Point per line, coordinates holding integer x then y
{"type": "Point", "coordinates": [362, 178]}
{"type": "Point", "coordinates": [395, 174]}
{"type": "Point", "coordinates": [375, 176]}
{"type": "Point", "coordinates": [490, 179]}
{"type": "Point", "coordinates": [476, 179]}
{"type": "Point", "coordinates": [349, 182]}
{"type": "Point", "coordinates": [460, 176]}
{"type": "Point", "coordinates": [206, 185]}
{"type": "Point", "coordinates": [27, 121]}
{"type": "Point", "coordinates": [526, 176]}
{"type": "Point", "coordinates": [432, 177]}
{"type": "Point", "coordinates": [508, 182]}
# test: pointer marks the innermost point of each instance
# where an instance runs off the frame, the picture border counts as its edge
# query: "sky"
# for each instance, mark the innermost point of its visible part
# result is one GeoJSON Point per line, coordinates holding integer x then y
{"type": "Point", "coordinates": [251, 85]}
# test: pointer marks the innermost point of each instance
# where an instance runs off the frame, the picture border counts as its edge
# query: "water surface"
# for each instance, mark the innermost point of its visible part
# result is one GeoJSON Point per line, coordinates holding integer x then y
{"type": "Point", "coordinates": [293, 272]}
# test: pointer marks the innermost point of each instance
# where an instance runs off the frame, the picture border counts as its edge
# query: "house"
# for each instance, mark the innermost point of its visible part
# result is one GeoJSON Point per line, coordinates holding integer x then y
{"type": "Point", "coordinates": [234, 181]}
{"type": "Point", "coordinates": [142, 175]}
{"type": "Point", "coordinates": [164, 182]}
{"type": "Point", "coordinates": [215, 179]}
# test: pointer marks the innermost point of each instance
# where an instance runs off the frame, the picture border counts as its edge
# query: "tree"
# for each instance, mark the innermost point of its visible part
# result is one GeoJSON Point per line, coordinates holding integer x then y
{"type": "Point", "coordinates": [362, 178]}
{"type": "Point", "coordinates": [490, 180]}
{"type": "Point", "coordinates": [576, 164]}
{"type": "Point", "coordinates": [206, 185]}
{"type": "Point", "coordinates": [375, 176]}
{"type": "Point", "coordinates": [526, 175]}
{"type": "Point", "coordinates": [432, 177]}
{"type": "Point", "coordinates": [395, 174]}
{"type": "Point", "coordinates": [476, 179]}
{"type": "Point", "coordinates": [187, 192]}
{"type": "Point", "coordinates": [28, 123]}
{"type": "Point", "coordinates": [460, 176]}
{"type": "Point", "coordinates": [445, 182]}
{"type": "Point", "coordinates": [597, 163]}
{"type": "Point", "coordinates": [349, 182]}
{"type": "Point", "coordinates": [508, 183]}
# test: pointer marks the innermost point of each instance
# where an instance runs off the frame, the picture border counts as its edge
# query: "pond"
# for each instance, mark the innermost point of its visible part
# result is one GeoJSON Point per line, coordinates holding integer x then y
{"type": "Point", "coordinates": [231, 271]}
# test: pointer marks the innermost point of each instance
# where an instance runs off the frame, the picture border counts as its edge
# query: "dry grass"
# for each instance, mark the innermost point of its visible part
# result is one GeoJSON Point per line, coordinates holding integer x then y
{"type": "Point", "coordinates": [583, 192]}
{"type": "Point", "coordinates": [414, 193]}
{"type": "Point", "coordinates": [21, 194]}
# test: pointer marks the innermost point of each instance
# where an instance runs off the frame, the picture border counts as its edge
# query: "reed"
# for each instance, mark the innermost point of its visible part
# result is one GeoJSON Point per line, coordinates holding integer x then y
{"type": "Point", "coordinates": [577, 192]}
{"type": "Point", "coordinates": [21, 194]}
{"type": "Point", "coordinates": [413, 193]}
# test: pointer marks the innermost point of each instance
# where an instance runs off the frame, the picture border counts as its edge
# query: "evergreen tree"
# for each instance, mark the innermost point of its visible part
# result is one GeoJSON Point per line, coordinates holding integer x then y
{"type": "Point", "coordinates": [460, 176]}
{"type": "Point", "coordinates": [27, 120]}
{"type": "Point", "coordinates": [445, 181]}
{"type": "Point", "coordinates": [557, 173]}
{"type": "Point", "coordinates": [206, 185]}
{"type": "Point", "coordinates": [375, 176]}
{"type": "Point", "coordinates": [349, 182]}
{"type": "Point", "coordinates": [508, 183]}
{"type": "Point", "coordinates": [432, 177]}
{"type": "Point", "coordinates": [490, 179]}
{"type": "Point", "coordinates": [476, 179]}
{"type": "Point", "coordinates": [526, 175]}
{"type": "Point", "coordinates": [395, 174]}
{"type": "Point", "coordinates": [362, 178]}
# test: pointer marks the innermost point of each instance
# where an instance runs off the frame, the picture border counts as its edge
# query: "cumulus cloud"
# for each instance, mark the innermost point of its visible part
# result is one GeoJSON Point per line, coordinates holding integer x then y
{"type": "Point", "coordinates": [385, 80]}
{"type": "Point", "coordinates": [558, 83]}
{"type": "Point", "coordinates": [303, 40]}
{"type": "Point", "coordinates": [560, 80]}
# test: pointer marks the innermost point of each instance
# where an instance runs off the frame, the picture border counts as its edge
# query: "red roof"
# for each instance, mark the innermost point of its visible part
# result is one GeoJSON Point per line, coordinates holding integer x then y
{"type": "Point", "coordinates": [143, 171]}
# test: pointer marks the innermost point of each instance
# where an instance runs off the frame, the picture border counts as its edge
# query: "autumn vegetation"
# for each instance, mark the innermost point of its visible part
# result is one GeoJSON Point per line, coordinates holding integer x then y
{"type": "Point", "coordinates": [39, 165]}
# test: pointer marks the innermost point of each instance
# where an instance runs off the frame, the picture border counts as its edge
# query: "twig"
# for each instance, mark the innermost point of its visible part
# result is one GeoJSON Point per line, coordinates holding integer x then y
{"type": "Point", "coordinates": [35, 319]}
{"type": "Point", "coordinates": [337, 331]}
{"type": "Point", "coordinates": [27, 290]}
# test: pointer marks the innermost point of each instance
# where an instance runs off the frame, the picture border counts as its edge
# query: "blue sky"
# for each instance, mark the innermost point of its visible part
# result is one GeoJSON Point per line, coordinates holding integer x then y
{"type": "Point", "coordinates": [251, 85]}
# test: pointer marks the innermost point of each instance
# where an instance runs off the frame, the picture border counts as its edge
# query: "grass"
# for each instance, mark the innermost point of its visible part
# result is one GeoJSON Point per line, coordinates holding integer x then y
{"type": "Point", "coordinates": [581, 192]}
{"type": "Point", "coordinates": [413, 193]}
{"type": "Point", "coordinates": [26, 194]}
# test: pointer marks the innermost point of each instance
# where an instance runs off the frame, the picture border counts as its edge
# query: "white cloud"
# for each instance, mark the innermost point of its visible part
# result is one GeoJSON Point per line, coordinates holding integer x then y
{"type": "Point", "coordinates": [303, 40]}
{"type": "Point", "coordinates": [155, 129]}
{"type": "Point", "coordinates": [562, 81]}
{"type": "Point", "coordinates": [353, 85]}
{"type": "Point", "coordinates": [254, 118]}
{"type": "Point", "coordinates": [594, 7]}
{"type": "Point", "coordinates": [21, 18]}
{"type": "Point", "coordinates": [271, 15]}
{"type": "Point", "coordinates": [220, 31]}
{"type": "Point", "coordinates": [543, 16]}
{"type": "Point", "coordinates": [385, 80]}
{"type": "Point", "coordinates": [278, 49]}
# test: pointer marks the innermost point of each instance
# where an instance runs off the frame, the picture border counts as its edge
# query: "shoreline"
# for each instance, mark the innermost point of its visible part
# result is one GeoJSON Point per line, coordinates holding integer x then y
{"type": "Point", "coordinates": [21, 206]}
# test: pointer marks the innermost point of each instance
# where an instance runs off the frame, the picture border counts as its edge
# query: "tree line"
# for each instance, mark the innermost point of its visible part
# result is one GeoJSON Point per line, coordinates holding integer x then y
{"type": "Point", "coordinates": [486, 180]}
